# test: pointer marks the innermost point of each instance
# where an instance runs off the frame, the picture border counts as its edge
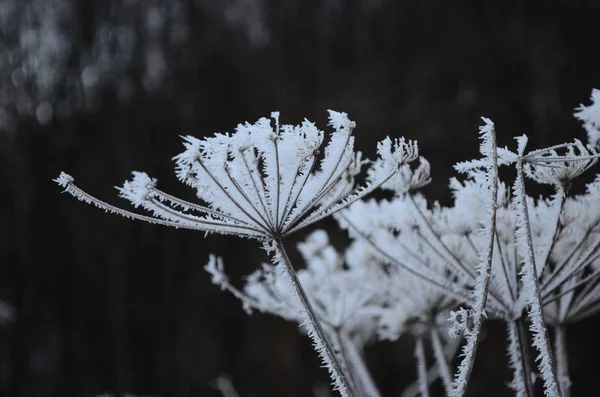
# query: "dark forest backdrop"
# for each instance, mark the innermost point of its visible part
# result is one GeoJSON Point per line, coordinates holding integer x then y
{"type": "Point", "coordinates": [99, 88]}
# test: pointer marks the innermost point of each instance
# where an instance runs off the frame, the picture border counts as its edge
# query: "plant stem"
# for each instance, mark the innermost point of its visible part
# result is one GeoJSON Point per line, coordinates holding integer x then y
{"type": "Point", "coordinates": [434, 372]}
{"type": "Point", "coordinates": [357, 366]}
{"type": "Point", "coordinates": [531, 287]}
{"type": "Point", "coordinates": [484, 275]}
{"type": "Point", "coordinates": [343, 358]}
{"type": "Point", "coordinates": [315, 331]}
{"type": "Point", "coordinates": [438, 351]}
{"type": "Point", "coordinates": [421, 367]}
{"type": "Point", "coordinates": [518, 326]}
{"type": "Point", "coordinates": [562, 362]}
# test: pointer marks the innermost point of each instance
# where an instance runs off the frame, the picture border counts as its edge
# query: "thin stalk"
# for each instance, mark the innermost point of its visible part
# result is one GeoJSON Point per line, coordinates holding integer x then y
{"type": "Point", "coordinates": [259, 192]}
{"type": "Point", "coordinates": [519, 351]}
{"type": "Point", "coordinates": [339, 204]}
{"type": "Point", "coordinates": [323, 190]}
{"type": "Point", "coordinates": [357, 365]}
{"type": "Point", "coordinates": [226, 192]}
{"type": "Point", "coordinates": [559, 268]}
{"type": "Point", "coordinates": [504, 265]}
{"type": "Point", "coordinates": [562, 361]}
{"type": "Point", "coordinates": [421, 367]}
{"type": "Point", "coordinates": [531, 286]}
{"type": "Point", "coordinates": [205, 226]}
{"type": "Point", "coordinates": [434, 372]}
{"type": "Point", "coordinates": [445, 286]}
{"type": "Point", "coordinates": [322, 343]}
{"type": "Point", "coordinates": [267, 226]}
{"type": "Point", "coordinates": [438, 351]}
{"type": "Point", "coordinates": [186, 205]}
{"type": "Point", "coordinates": [589, 282]}
{"type": "Point", "coordinates": [482, 281]}
{"type": "Point", "coordinates": [344, 360]}
{"type": "Point", "coordinates": [559, 195]}
{"type": "Point", "coordinates": [289, 206]}
{"type": "Point", "coordinates": [449, 252]}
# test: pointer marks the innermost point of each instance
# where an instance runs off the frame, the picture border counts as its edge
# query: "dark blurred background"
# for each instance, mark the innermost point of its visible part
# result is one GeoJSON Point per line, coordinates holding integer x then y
{"type": "Point", "coordinates": [94, 303]}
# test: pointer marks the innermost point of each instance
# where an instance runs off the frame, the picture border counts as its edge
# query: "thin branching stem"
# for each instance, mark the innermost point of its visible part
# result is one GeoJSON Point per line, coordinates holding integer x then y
{"type": "Point", "coordinates": [168, 213]}
{"type": "Point", "coordinates": [559, 268]}
{"type": "Point", "coordinates": [577, 268]}
{"type": "Point", "coordinates": [259, 192]}
{"type": "Point", "coordinates": [559, 159]}
{"type": "Point", "coordinates": [448, 287]}
{"type": "Point", "coordinates": [586, 292]}
{"type": "Point", "coordinates": [241, 191]}
{"type": "Point", "coordinates": [435, 234]}
{"type": "Point", "coordinates": [204, 226]}
{"type": "Point", "coordinates": [291, 204]}
{"type": "Point", "coordinates": [186, 205]}
{"type": "Point", "coordinates": [589, 282]}
{"type": "Point", "coordinates": [226, 192]}
{"type": "Point", "coordinates": [325, 188]}
{"type": "Point", "coordinates": [341, 204]}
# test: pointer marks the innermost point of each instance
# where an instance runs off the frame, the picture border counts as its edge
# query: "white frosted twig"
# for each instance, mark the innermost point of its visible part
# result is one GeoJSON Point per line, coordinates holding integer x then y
{"type": "Point", "coordinates": [67, 182]}
{"type": "Point", "coordinates": [484, 268]}
{"type": "Point", "coordinates": [531, 288]}
{"type": "Point", "coordinates": [322, 343]}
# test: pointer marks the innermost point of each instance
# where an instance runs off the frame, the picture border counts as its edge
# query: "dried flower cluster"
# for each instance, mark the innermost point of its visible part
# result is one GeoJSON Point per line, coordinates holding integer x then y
{"type": "Point", "coordinates": [413, 266]}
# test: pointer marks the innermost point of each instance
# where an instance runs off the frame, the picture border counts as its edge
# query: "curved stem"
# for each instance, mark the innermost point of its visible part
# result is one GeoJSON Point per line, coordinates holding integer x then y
{"type": "Point", "coordinates": [315, 331]}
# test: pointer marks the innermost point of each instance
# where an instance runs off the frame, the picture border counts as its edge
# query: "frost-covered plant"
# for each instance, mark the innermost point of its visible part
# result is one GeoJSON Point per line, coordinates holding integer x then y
{"type": "Point", "coordinates": [507, 274]}
{"type": "Point", "coordinates": [347, 293]}
{"type": "Point", "coordinates": [412, 264]}
{"type": "Point", "coordinates": [265, 182]}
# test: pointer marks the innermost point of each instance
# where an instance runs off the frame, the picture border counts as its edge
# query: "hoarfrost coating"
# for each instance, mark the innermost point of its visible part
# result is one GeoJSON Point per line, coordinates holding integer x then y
{"type": "Point", "coordinates": [265, 181]}
{"type": "Point", "coordinates": [412, 264]}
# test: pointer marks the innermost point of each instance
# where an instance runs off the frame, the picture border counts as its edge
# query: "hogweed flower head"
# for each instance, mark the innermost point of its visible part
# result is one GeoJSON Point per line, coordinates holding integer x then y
{"type": "Point", "coordinates": [266, 181]}
{"type": "Point", "coordinates": [263, 181]}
